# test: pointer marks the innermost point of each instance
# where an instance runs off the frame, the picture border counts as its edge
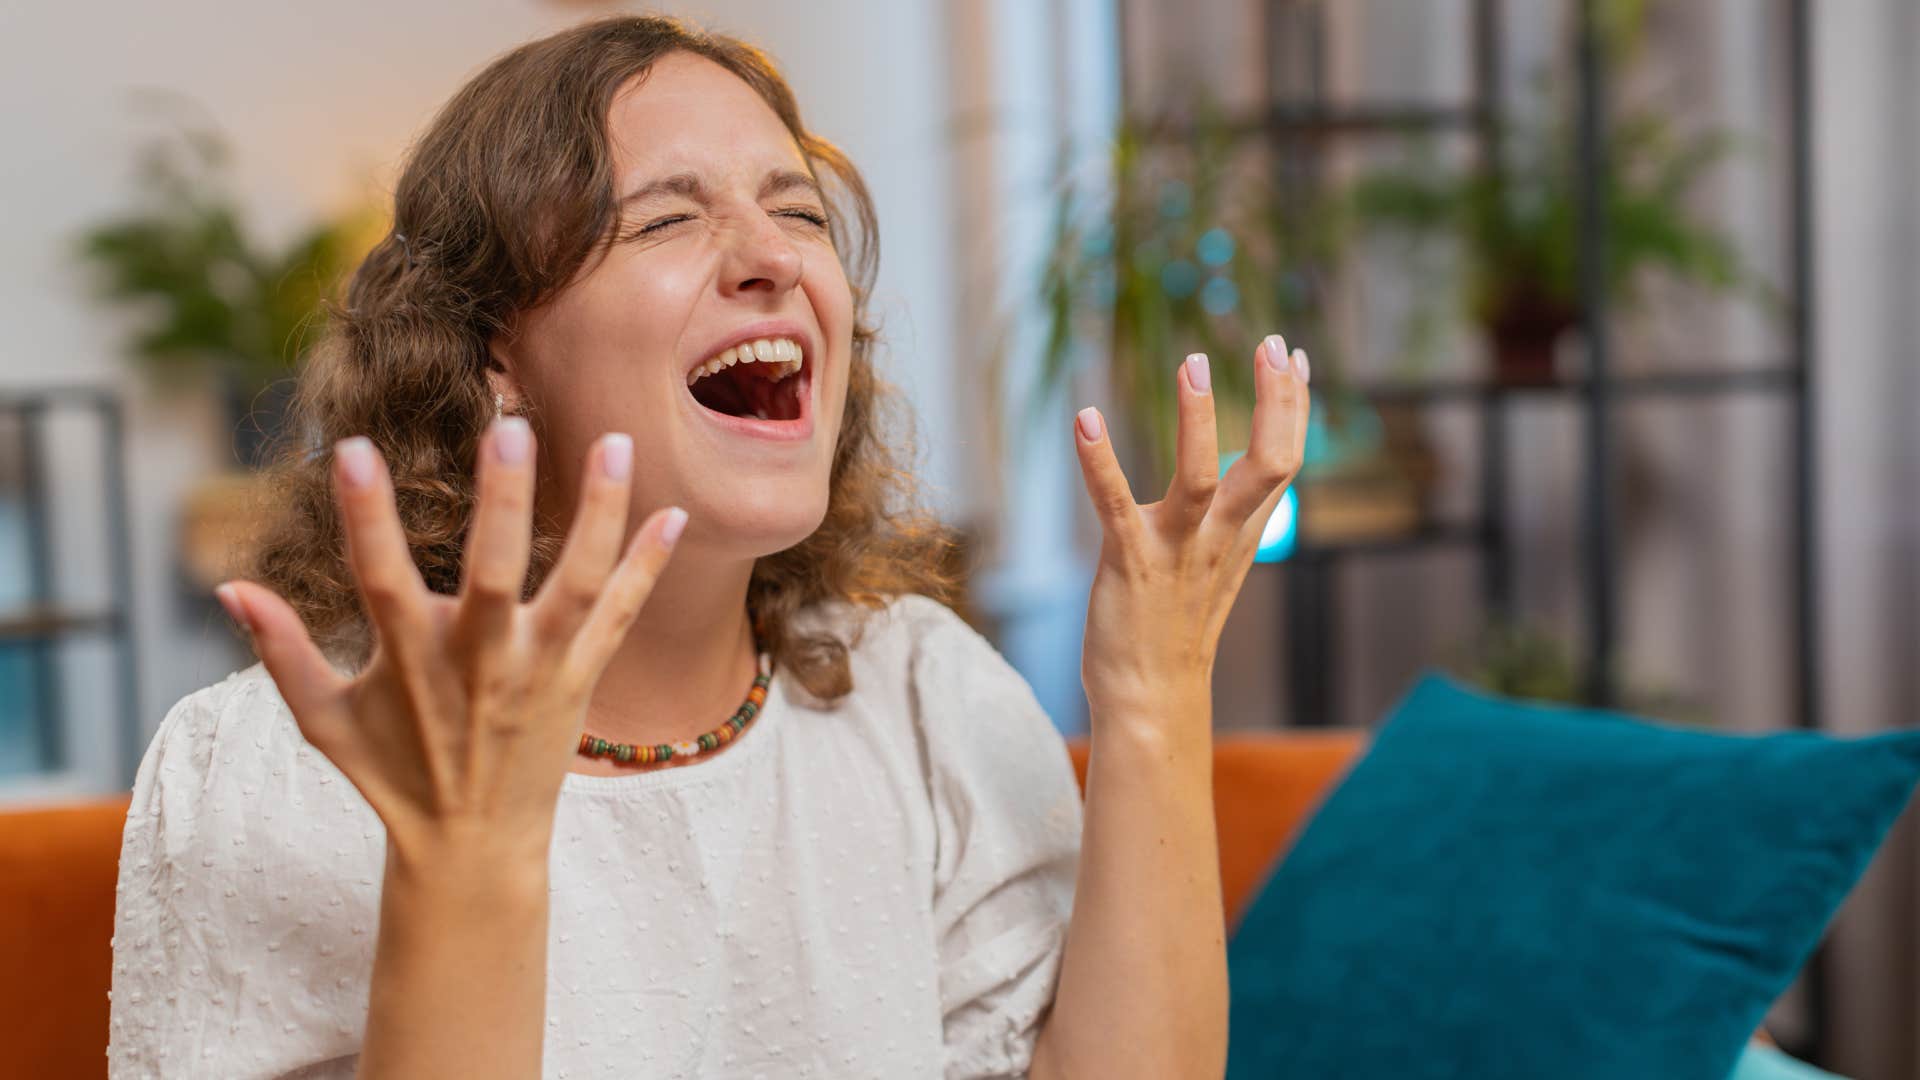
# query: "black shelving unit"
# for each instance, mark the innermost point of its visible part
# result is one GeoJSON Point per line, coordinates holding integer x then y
{"type": "Point", "coordinates": [40, 625]}
{"type": "Point", "coordinates": [1294, 128]}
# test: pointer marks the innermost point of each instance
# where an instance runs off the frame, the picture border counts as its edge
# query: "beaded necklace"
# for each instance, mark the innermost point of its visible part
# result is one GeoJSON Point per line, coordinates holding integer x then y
{"type": "Point", "coordinates": [595, 747]}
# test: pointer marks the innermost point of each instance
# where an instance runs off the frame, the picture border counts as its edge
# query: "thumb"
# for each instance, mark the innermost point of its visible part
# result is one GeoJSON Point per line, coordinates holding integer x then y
{"type": "Point", "coordinates": [313, 690]}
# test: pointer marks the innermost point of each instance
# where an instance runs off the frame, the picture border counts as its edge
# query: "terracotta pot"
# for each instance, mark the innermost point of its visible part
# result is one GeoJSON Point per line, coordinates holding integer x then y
{"type": "Point", "coordinates": [1525, 328]}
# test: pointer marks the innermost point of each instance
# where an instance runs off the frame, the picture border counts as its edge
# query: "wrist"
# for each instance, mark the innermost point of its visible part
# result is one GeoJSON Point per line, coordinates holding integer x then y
{"type": "Point", "coordinates": [469, 862]}
{"type": "Point", "coordinates": [1169, 728]}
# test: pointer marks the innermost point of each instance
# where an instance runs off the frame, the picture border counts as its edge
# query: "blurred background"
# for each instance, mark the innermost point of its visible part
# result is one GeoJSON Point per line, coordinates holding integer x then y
{"type": "Point", "coordinates": [1610, 306]}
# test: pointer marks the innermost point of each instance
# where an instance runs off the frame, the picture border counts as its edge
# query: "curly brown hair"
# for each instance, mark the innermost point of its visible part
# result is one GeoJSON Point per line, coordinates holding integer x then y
{"type": "Point", "coordinates": [502, 201]}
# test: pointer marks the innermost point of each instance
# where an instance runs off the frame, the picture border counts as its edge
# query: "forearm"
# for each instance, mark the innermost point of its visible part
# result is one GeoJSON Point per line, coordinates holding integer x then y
{"type": "Point", "coordinates": [1143, 982]}
{"type": "Point", "coordinates": [460, 970]}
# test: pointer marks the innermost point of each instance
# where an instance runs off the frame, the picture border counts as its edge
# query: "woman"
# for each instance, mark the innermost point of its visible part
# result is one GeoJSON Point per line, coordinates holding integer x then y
{"type": "Point", "coordinates": [472, 816]}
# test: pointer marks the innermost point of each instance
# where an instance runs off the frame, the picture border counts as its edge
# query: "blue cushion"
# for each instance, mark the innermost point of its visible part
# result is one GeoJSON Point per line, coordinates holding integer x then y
{"type": "Point", "coordinates": [1503, 889]}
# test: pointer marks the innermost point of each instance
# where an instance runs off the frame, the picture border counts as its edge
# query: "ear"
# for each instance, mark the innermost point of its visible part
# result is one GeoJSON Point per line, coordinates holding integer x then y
{"type": "Point", "coordinates": [502, 377]}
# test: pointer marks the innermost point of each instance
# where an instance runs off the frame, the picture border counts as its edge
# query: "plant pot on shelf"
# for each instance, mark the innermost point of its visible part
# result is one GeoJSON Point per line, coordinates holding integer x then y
{"type": "Point", "coordinates": [1525, 327]}
{"type": "Point", "coordinates": [1368, 501]}
{"type": "Point", "coordinates": [1368, 473]}
{"type": "Point", "coordinates": [1410, 449]}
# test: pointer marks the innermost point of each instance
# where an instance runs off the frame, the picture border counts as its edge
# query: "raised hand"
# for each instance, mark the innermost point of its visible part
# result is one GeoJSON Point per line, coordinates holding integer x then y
{"type": "Point", "coordinates": [1169, 570]}
{"type": "Point", "coordinates": [464, 720]}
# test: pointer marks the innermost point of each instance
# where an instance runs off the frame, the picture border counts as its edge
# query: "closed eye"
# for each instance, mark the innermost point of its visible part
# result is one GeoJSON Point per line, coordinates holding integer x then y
{"type": "Point", "coordinates": [664, 222]}
{"type": "Point", "coordinates": [813, 216]}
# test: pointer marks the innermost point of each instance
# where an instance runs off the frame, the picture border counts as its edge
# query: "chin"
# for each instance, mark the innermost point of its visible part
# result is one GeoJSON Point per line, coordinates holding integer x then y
{"type": "Point", "coordinates": [756, 527]}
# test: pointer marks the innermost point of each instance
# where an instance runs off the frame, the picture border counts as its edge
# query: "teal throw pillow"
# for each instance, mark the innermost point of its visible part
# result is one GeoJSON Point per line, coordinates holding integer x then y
{"type": "Point", "coordinates": [1504, 890]}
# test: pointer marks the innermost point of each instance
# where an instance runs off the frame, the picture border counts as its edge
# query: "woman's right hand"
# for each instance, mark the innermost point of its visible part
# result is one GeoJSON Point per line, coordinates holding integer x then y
{"type": "Point", "coordinates": [463, 722]}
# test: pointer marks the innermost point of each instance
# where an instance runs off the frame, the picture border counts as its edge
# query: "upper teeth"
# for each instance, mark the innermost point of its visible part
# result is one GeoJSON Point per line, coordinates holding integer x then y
{"type": "Point", "coordinates": [782, 351]}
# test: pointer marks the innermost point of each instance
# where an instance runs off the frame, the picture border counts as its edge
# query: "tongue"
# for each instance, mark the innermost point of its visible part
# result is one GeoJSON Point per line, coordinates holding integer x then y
{"type": "Point", "coordinates": [742, 390]}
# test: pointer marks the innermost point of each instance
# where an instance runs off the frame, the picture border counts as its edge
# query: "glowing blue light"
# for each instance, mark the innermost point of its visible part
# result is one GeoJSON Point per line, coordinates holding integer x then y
{"type": "Point", "coordinates": [1215, 247]}
{"type": "Point", "coordinates": [1219, 296]}
{"type": "Point", "coordinates": [1282, 531]}
{"type": "Point", "coordinates": [1179, 279]}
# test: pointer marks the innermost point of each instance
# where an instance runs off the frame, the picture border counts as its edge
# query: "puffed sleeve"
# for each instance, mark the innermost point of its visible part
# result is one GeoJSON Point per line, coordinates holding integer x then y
{"type": "Point", "coordinates": [1007, 815]}
{"type": "Point", "coordinates": [219, 967]}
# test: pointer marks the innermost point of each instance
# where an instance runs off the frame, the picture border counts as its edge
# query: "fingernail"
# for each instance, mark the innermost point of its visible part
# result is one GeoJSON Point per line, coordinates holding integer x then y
{"type": "Point", "coordinates": [511, 440]}
{"type": "Point", "coordinates": [230, 599]}
{"type": "Point", "coordinates": [670, 529]}
{"type": "Point", "coordinates": [1277, 353]}
{"type": "Point", "coordinates": [1090, 423]}
{"type": "Point", "coordinates": [1300, 365]}
{"type": "Point", "coordinates": [616, 456]}
{"type": "Point", "coordinates": [356, 459]}
{"type": "Point", "coordinates": [1197, 374]}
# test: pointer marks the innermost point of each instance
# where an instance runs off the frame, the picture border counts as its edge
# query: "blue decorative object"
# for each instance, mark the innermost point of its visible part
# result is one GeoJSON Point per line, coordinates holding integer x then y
{"type": "Point", "coordinates": [20, 689]}
{"type": "Point", "coordinates": [1215, 247]}
{"type": "Point", "coordinates": [1219, 296]}
{"type": "Point", "coordinates": [1282, 531]}
{"type": "Point", "coordinates": [1179, 279]}
{"type": "Point", "coordinates": [1504, 890]}
{"type": "Point", "coordinates": [1360, 435]}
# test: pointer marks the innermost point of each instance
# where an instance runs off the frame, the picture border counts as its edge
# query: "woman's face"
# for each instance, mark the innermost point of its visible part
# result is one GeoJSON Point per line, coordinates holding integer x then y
{"type": "Point", "coordinates": [719, 241]}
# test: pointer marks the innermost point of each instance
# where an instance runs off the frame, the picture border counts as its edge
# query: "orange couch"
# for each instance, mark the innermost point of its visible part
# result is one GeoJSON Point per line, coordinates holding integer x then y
{"type": "Point", "coordinates": [58, 867]}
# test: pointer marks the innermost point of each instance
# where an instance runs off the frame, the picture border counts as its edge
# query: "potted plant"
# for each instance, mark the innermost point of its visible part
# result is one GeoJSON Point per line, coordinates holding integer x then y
{"type": "Point", "coordinates": [1517, 659]}
{"type": "Point", "coordinates": [1518, 223]}
{"type": "Point", "coordinates": [221, 303]}
{"type": "Point", "coordinates": [1176, 248]}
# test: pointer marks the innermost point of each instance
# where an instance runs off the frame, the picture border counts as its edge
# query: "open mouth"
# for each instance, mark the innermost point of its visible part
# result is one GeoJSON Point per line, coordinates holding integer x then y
{"type": "Point", "coordinates": [760, 382]}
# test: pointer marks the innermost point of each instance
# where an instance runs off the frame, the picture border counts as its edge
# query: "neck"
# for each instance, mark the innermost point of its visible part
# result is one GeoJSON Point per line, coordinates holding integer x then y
{"type": "Point", "coordinates": [687, 661]}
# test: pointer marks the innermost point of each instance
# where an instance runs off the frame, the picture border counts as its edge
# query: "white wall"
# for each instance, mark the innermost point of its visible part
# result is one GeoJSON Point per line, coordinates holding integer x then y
{"type": "Point", "coordinates": [320, 101]}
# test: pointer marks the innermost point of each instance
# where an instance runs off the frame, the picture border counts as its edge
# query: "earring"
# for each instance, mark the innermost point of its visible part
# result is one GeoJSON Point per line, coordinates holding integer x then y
{"type": "Point", "coordinates": [499, 405]}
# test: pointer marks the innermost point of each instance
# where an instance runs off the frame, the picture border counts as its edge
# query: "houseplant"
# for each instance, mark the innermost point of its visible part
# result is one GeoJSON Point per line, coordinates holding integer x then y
{"type": "Point", "coordinates": [1179, 246]}
{"type": "Point", "coordinates": [219, 302]}
{"type": "Point", "coordinates": [1517, 220]}
{"type": "Point", "coordinates": [1172, 249]}
{"type": "Point", "coordinates": [1521, 659]}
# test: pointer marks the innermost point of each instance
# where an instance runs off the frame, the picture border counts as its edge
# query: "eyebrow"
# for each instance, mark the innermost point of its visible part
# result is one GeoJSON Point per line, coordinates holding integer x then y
{"type": "Point", "coordinates": [778, 181]}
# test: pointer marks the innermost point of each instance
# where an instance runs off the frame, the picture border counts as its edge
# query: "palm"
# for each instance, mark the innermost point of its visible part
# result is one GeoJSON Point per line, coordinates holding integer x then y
{"type": "Point", "coordinates": [1169, 571]}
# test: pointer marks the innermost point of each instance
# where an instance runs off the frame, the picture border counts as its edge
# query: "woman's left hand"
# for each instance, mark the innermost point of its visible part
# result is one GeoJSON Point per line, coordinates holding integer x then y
{"type": "Point", "coordinates": [1169, 571]}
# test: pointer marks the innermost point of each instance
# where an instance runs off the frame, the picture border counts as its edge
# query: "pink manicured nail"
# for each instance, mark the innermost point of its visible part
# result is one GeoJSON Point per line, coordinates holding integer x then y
{"type": "Point", "coordinates": [670, 528]}
{"type": "Point", "coordinates": [1300, 365]}
{"type": "Point", "coordinates": [230, 599]}
{"type": "Point", "coordinates": [1197, 374]}
{"type": "Point", "coordinates": [512, 440]}
{"type": "Point", "coordinates": [616, 456]}
{"type": "Point", "coordinates": [1277, 353]}
{"type": "Point", "coordinates": [356, 459]}
{"type": "Point", "coordinates": [1090, 423]}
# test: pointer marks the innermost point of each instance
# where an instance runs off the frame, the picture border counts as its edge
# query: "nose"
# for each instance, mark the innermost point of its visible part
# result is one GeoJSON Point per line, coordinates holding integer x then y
{"type": "Point", "coordinates": [760, 257]}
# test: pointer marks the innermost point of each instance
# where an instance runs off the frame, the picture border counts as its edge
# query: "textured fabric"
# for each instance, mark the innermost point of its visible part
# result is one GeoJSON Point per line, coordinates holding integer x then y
{"type": "Point", "coordinates": [1508, 891]}
{"type": "Point", "coordinates": [874, 889]}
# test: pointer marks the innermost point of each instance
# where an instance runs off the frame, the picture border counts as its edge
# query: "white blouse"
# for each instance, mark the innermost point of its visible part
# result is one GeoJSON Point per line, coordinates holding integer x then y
{"type": "Point", "coordinates": [879, 888]}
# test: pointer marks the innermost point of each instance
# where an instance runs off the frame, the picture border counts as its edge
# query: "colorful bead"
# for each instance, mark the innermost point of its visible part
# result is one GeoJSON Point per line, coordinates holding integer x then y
{"type": "Point", "coordinates": [594, 746]}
